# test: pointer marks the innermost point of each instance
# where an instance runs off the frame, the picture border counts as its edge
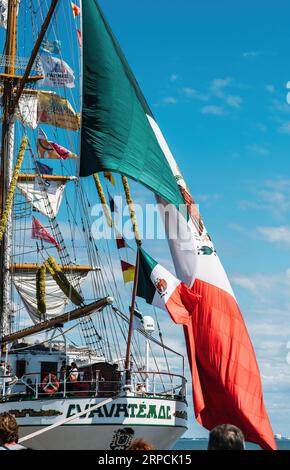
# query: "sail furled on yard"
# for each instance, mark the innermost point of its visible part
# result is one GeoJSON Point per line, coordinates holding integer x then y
{"type": "Point", "coordinates": [116, 134]}
{"type": "Point", "coordinates": [25, 283]}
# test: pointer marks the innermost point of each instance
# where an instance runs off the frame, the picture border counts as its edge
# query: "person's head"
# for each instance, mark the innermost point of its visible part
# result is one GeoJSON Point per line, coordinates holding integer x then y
{"type": "Point", "coordinates": [140, 444]}
{"type": "Point", "coordinates": [73, 364]}
{"type": "Point", "coordinates": [226, 437]}
{"type": "Point", "coordinates": [8, 429]}
{"type": "Point", "coordinates": [63, 363]}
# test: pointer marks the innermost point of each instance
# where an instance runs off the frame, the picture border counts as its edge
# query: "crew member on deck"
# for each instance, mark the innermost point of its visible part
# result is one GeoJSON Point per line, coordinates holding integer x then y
{"type": "Point", "coordinates": [73, 377]}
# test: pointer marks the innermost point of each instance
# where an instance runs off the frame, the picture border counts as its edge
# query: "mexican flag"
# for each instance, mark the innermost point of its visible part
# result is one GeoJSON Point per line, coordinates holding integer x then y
{"type": "Point", "coordinates": [226, 384]}
{"type": "Point", "coordinates": [160, 288]}
{"type": "Point", "coordinates": [120, 134]}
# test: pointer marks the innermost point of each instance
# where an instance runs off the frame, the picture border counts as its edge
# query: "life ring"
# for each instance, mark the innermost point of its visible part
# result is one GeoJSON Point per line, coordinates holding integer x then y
{"type": "Point", "coordinates": [50, 384]}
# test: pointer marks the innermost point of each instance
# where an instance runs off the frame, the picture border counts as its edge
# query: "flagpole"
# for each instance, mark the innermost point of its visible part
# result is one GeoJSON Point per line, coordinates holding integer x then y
{"type": "Point", "coordinates": [130, 333]}
{"type": "Point", "coordinates": [133, 218]}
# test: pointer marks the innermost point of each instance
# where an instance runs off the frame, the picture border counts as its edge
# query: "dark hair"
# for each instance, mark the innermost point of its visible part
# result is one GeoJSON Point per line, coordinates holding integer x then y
{"type": "Point", "coordinates": [140, 444]}
{"type": "Point", "coordinates": [226, 437]}
{"type": "Point", "coordinates": [8, 428]}
{"type": "Point", "coordinates": [73, 364]}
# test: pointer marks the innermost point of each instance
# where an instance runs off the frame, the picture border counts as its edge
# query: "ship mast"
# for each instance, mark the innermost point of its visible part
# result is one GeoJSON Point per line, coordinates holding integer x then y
{"type": "Point", "coordinates": [7, 145]}
{"type": "Point", "coordinates": [7, 148]}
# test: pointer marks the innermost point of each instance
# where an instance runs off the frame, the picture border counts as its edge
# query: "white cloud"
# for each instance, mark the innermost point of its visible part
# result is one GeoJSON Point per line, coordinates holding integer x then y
{"type": "Point", "coordinates": [282, 107]}
{"type": "Point", "coordinates": [258, 149]}
{"type": "Point", "coordinates": [212, 109]}
{"type": "Point", "coordinates": [223, 101]}
{"type": "Point", "coordinates": [285, 128]}
{"type": "Point", "coordinates": [251, 54]}
{"type": "Point", "coordinates": [238, 228]}
{"type": "Point", "coordinates": [208, 199]}
{"type": "Point", "coordinates": [217, 89]}
{"type": "Point", "coordinates": [277, 200]}
{"type": "Point", "coordinates": [219, 84]}
{"type": "Point", "coordinates": [192, 93]}
{"type": "Point", "coordinates": [267, 288]}
{"type": "Point", "coordinates": [274, 196]}
{"type": "Point", "coordinates": [275, 234]}
{"type": "Point", "coordinates": [169, 100]}
{"type": "Point", "coordinates": [234, 101]}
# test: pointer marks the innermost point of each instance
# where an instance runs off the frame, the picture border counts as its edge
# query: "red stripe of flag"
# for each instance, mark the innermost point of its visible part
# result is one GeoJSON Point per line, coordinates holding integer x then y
{"type": "Point", "coordinates": [226, 383]}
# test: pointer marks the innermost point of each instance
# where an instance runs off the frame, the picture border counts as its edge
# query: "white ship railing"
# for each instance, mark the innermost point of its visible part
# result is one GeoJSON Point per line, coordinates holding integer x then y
{"type": "Point", "coordinates": [143, 384]}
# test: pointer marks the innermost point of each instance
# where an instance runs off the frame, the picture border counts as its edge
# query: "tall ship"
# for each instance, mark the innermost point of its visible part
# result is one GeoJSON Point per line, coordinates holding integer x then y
{"type": "Point", "coordinates": [84, 359]}
{"type": "Point", "coordinates": [62, 299]}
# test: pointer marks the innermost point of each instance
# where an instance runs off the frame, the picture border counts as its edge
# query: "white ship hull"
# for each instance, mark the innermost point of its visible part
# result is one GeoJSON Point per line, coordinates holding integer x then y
{"type": "Point", "coordinates": [160, 421]}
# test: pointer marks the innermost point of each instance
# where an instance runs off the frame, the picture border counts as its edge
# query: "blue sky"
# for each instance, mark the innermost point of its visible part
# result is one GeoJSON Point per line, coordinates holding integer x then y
{"type": "Point", "coordinates": [215, 75]}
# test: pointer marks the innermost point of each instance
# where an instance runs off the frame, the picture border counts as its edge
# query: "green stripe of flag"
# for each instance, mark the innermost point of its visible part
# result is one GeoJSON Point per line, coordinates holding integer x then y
{"type": "Point", "coordinates": [146, 288]}
{"type": "Point", "coordinates": [116, 134]}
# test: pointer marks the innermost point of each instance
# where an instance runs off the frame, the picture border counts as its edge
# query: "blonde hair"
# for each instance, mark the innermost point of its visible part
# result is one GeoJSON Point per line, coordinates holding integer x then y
{"type": "Point", "coordinates": [8, 428]}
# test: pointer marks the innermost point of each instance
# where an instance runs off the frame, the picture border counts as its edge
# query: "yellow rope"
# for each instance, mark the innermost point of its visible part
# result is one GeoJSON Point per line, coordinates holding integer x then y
{"type": "Point", "coordinates": [12, 187]}
{"type": "Point", "coordinates": [62, 281]}
{"type": "Point", "coordinates": [40, 290]}
{"type": "Point", "coordinates": [131, 209]}
{"type": "Point", "coordinates": [103, 200]}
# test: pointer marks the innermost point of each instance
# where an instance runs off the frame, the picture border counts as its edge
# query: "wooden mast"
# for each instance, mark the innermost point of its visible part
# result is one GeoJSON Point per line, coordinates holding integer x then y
{"type": "Point", "coordinates": [10, 53]}
{"type": "Point", "coordinates": [130, 332]}
{"type": "Point", "coordinates": [133, 218]}
{"type": "Point", "coordinates": [6, 159]}
{"type": "Point", "coordinates": [9, 102]}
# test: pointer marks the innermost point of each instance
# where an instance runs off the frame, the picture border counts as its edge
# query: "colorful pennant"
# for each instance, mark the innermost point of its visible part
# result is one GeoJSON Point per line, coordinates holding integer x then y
{"type": "Point", "coordinates": [43, 169]}
{"type": "Point", "coordinates": [128, 271]}
{"type": "Point", "coordinates": [39, 232]}
{"type": "Point", "coordinates": [76, 10]}
{"type": "Point", "coordinates": [120, 241]}
{"type": "Point", "coordinates": [49, 149]}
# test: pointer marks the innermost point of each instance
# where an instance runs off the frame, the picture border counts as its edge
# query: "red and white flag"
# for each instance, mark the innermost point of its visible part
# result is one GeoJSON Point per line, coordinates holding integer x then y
{"type": "Point", "coordinates": [39, 232]}
{"type": "Point", "coordinates": [160, 288]}
{"type": "Point", "coordinates": [226, 382]}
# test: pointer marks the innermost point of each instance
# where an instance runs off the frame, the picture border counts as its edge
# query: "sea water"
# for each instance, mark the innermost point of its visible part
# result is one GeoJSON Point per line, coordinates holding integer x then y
{"type": "Point", "coordinates": [201, 444]}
